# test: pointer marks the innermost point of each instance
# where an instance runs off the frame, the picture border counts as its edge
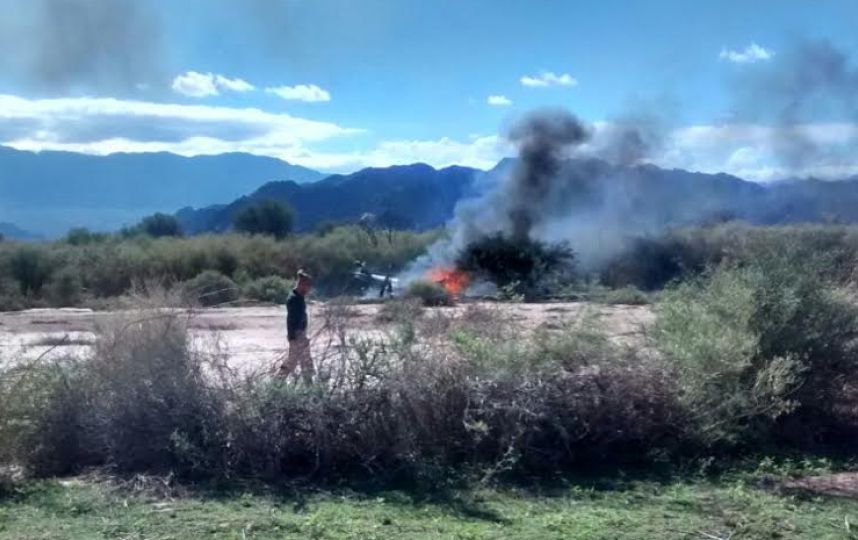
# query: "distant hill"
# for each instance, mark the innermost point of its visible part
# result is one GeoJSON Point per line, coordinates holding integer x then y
{"type": "Point", "coordinates": [409, 196]}
{"type": "Point", "coordinates": [49, 192]}
{"type": "Point", "coordinates": [13, 232]}
{"type": "Point", "coordinates": [635, 199]}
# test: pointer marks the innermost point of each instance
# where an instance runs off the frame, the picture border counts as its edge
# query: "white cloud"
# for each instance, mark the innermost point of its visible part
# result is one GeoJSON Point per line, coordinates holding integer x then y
{"type": "Point", "coordinates": [479, 152]}
{"type": "Point", "coordinates": [498, 101]}
{"type": "Point", "coordinates": [749, 55]}
{"type": "Point", "coordinates": [548, 78]}
{"type": "Point", "coordinates": [757, 152]}
{"type": "Point", "coordinates": [107, 125]}
{"type": "Point", "coordinates": [193, 84]}
{"type": "Point", "coordinates": [199, 85]}
{"type": "Point", "coordinates": [301, 92]}
{"type": "Point", "coordinates": [233, 85]}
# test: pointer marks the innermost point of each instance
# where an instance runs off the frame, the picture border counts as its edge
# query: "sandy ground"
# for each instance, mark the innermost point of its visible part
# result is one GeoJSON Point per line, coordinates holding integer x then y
{"type": "Point", "coordinates": [256, 336]}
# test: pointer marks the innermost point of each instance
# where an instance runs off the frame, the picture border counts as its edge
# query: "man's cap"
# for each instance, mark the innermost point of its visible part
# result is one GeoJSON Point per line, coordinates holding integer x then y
{"type": "Point", "coordinates": [304, 275]}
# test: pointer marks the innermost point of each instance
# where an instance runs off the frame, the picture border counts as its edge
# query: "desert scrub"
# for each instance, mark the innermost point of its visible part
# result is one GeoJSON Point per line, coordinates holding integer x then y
{"type": "Point", "coordinates": [139, 402]}
{"type": "Point", "coordinates": [273, 289]}
{"type": "Point", "coordinates": [400, 310]}
{"type": "Point", "coordinates": [652, 262]}
{"type": "Point", "coordinates": [762, 350]}
{"type": "Point", "coordinates": [109, 266]}
{"type": "Point", "coordinates": [393, 407]}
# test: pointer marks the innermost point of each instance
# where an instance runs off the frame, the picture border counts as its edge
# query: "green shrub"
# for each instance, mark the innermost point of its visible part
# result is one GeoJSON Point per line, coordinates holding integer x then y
{"type": "Point", "coordinates": [31, 267]}
{"type": "Point", "coordinates": [211, 288]}
{"type": "Point", "coordinates": [652, 262]}
{"type": "Point", "coordinates": [111, 266]}
{"type": "Point", "coordinates": [760, 349]}
{"type": "Point", "coordinates": [11, 298]}
{"type": "Point", "coordinates": [431, 294]}
{"type": "Point", "coordinates": [628, 295]}
{"type": "Point", "coordinates": [272, 289]}
{"type": "Point", "coordinates": [65, 288]}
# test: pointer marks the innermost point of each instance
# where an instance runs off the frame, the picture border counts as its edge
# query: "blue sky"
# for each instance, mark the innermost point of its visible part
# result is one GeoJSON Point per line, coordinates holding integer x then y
{"type": "Point", "coordinates": [338, 84]}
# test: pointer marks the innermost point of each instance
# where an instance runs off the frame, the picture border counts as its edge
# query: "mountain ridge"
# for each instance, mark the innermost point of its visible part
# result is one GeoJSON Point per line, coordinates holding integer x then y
{"type": "Point", "coordinates": [413, 196]}
{"type": "Point", "coordinates": [49, 192]}
{"type": "Point", "coordinates": [10, 231]}
{"type": "Point", "coordinates": [419, 196]}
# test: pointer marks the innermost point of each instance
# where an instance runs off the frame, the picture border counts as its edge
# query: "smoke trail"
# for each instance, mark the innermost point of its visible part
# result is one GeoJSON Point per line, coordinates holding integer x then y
{"type": "Point", "coordinates": [544, 140]}
{"type": "Point", "coordinates": [811, 81]}
{"type": "Point", "coordinates": [89, 45]}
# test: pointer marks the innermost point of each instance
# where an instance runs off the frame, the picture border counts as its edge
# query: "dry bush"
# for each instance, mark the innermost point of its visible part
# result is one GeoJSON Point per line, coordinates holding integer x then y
{"type": "Point", "coordinates": [400, 309]}
{"type": "Point", "coordinates": [141, 400]}
{"type": "Point", "coordinates": [436, 324]}
{"type": "Point", "coordinates": [488, 320]}
{"type": "Point", "coordinates": [391, 406]}
{"type": "Point", "coordinates": [478, 394]}
{"type": "Point", "coordinates": [211, 288]}
{"type": "Point", "coordinates": [150, 405]}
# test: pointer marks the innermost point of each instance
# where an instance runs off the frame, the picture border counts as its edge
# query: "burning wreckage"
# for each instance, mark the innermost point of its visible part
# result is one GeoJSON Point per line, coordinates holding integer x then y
{"type": "Point", "coordinates": [497, 239]}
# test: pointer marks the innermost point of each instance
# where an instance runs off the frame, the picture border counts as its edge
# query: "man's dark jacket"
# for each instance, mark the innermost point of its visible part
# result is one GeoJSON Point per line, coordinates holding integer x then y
{"type": "Point", "coordinates": [296, 314]}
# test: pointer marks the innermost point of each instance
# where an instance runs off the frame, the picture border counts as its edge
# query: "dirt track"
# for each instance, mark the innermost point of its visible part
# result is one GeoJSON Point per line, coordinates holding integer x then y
{"type": "Point", "coordinates": [255, 336]}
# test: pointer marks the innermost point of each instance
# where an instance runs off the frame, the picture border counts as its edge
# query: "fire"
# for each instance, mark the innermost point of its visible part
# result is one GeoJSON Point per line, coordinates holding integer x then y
{"type": "Point", "coordinates": [455, 281]}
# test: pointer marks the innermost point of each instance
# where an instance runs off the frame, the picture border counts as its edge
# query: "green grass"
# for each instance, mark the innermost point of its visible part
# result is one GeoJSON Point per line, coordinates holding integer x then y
{"type": "Point", "coordinates": [734, 509]}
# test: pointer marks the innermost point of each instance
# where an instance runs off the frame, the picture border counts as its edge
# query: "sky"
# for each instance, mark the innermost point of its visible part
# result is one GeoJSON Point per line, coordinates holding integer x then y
{"type": "Point", "coordinates": [338, 85]}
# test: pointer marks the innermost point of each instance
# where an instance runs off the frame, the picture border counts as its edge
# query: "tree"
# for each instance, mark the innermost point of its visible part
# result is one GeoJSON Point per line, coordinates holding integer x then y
{"type": "Point", "coordinates": [265, 217]}
{"type": "Point", "coordinates": [158, 225]}
{"type": "Point", "coordinates": [80, 236]}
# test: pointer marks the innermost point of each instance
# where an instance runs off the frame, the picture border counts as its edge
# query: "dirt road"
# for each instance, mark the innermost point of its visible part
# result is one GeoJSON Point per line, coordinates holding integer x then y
{"type": "Point", "coordinates": [256, 336]}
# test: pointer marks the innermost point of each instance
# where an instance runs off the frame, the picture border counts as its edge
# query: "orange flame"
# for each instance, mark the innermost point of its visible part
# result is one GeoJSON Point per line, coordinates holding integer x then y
{"type": "Point", "coordinates": [455, 281]}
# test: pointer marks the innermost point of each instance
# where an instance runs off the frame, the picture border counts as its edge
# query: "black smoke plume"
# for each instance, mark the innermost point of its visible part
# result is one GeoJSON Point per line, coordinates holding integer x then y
{"type": "Point", "coordinates": [810, 81]}
{"type": "Point", "coordinates": [81, 45]}
{"type": "Point", "coordinates": [496, 235]}
{"type": "Point", "coordinates": [544, 140]}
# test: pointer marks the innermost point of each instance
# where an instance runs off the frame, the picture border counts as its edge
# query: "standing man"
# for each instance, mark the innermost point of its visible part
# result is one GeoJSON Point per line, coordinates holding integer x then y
{"type": "Point", "coordinates": [296, 327]}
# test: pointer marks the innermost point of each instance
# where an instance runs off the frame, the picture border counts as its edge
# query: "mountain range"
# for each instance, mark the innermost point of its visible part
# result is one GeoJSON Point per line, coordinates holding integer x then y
{"type": "Point", "coordinates": [9, 231]}
{"type": "Point", "coordinates": [407, 196]}
{"type": "Point", "coordinates": [640, 199]}
{"type": "Point", "coordinates": [50, 192]}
